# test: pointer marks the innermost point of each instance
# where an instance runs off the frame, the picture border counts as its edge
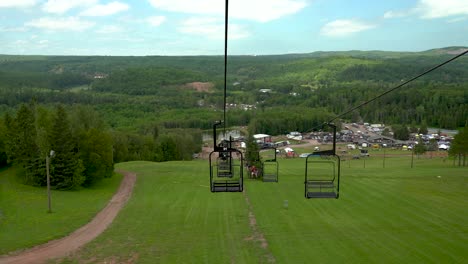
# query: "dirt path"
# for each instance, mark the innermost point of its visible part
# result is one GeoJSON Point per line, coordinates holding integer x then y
{"type": "Point", "coordinates": [64, 246]}
{"type": "Point", "coordinates": [257, 236]}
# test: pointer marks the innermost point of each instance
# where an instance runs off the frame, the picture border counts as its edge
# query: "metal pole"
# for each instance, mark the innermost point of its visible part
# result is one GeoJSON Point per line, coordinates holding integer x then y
{"type": "Point", "coordinates": [48, 184]}
{"type": "Point", "coordinates": [384, 157]}
{"type": "Point", "coordinates": [412, 156]}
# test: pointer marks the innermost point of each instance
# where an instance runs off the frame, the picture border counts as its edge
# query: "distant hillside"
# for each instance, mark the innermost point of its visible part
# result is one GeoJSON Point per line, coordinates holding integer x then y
{"type": "Point", "coordinates": [448, 50]}
{"type": "Point", "coordinates": [380, 54]}
{"type": "Point", "coordinates": [155, 87]}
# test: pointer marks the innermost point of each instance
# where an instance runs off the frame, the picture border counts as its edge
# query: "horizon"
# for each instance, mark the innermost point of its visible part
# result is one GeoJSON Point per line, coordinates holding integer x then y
{"type": "Point", "coordinates": [461, 49]}
{"type": "Point", "coordinates": [256, 27]}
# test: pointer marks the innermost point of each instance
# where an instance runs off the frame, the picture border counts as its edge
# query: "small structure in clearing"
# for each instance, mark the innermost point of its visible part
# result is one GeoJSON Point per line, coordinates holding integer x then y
{"type": "Point", "coordinates": [206, 87]}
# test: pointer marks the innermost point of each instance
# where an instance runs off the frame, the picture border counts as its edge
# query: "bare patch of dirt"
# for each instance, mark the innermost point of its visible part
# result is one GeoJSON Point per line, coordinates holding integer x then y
{"type": "Point", "coordinates": [257, 236]}
{"type": "Point", "coordinates": [205, 154]}
{"type": "Point", "coordinates": [116, 260]}
{"type": "Point", "coordinates": [201, 86]}
{"type": "Point", "coordinates": [62, 247]}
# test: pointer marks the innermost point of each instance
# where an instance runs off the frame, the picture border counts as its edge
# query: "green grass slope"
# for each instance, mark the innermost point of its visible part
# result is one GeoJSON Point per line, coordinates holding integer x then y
{"type": "Point", "coordinates": [173, 218]}
{"type": "Point", "coordinates": [384, 215]}
{"type": "Point", "coordinates": [24, 221]}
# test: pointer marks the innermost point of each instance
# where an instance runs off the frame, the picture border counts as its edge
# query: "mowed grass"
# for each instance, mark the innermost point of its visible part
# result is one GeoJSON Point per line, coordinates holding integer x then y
{"type": "Point", "coordinates": [395, 214]}
{"type": "Point", "coordinates": [173, 217]}
{"type": "Point", "coordinates": [391, 215]}
{"type": "Point", "coordinates": [24, 221]}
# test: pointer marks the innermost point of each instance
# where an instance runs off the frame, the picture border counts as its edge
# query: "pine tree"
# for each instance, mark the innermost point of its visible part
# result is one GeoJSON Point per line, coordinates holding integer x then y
{"type": "Point", "coordinates": [423, 129]}
{"type": "Point", "coordinates": [3, 155]}
{"type": "Point", "coordinates": [24, 145]}
{"type": "Point", "coordinates": [459, 147]}
{"type": "Point", "coordinates": [401, 132]}
{"type": "Point", "coordinates": [10, 137]}
{"type": "Point", "coordinates": [96, 154]}
{"type": "Point", "coordinates": [252, 154]}
{"type": "Point", "coordinates": [66, 167]}
{"type": "Point", "coordinates": [420, 148]}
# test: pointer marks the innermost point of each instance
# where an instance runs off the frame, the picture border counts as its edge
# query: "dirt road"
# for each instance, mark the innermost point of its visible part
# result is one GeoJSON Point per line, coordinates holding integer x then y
{"type": "Point", "coordinates": [62, 247]}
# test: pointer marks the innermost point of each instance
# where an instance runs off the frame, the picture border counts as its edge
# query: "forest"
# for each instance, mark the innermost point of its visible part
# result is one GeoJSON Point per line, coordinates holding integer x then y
{"type": "Point", "coordinates": [157, 107]}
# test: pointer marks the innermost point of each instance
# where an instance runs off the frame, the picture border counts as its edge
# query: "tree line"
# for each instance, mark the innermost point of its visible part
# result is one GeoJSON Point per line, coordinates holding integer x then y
{"type": "Point", "coordinates": [84, 148]}
{"type": "Point", "coordinates": [155, 86]}
{"type": "Point", "coordinates": [80, 150]}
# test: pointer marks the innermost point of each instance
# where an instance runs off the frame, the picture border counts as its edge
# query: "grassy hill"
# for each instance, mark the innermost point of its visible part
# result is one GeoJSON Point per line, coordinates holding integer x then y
{"type": "Point", "coordinates": [146, 88]}
{"type": "Point", "coordinates": [24, 221]}
{"type": "Point", "coordinates": [390, 215]}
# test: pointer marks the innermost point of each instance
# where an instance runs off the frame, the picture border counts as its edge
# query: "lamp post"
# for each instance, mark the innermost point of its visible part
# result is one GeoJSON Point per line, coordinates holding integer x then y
{"type": "Point", "coordinates": [412, 156]}
{"type": "Point", "coordinates": [52, 153]}
{"type": "Point", "coordinates": [384, 157]}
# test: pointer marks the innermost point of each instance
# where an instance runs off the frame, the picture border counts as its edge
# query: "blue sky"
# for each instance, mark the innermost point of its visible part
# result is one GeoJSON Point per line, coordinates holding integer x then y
{"type": "Point", "coordinates": [257, 27]}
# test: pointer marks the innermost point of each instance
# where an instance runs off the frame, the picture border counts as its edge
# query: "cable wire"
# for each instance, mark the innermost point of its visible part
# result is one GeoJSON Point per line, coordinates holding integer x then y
{"type": "Point", "coordinates": [225, 60]}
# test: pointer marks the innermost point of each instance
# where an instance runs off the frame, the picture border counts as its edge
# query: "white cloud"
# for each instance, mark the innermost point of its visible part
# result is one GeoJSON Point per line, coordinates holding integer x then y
{"type": "Point", "coordinates": [42, 44]}
{"type": "Point", "coordinates": [156, 21]}
{"type": "Point", "coordinates": [62, 6]}
{"type": "Point", "coordinates": [13, 29]}
{"type": "Point", "coordinates": [20, 42]}
{"type": "Point", "coordinates": [437, 9]}
{"type": "Point", "coordinates": [66, 23]}
{"type": "Point", "coordinates": [344, 27]}
{"type": "Point", "coordinates": [212, 28]}
{"type": "Point", "coordinates": [110, 29]}
{"type": "Point", "coordinates": [457, 19]}
{"type": "Point", "coordinates": [256, 10]}
{"type": "Point", "coordinates": [430, 9]}
{"type": "Point", "coordinates": [396, 14]}
{"type": "Point", "coordinates": [202, 26]}
{"type": "Point", "coordinates": [236, 31]}
{"type": "Point", "coordinates": [17, 3]}
{"type": "Point", "coordinates": [105, 10]}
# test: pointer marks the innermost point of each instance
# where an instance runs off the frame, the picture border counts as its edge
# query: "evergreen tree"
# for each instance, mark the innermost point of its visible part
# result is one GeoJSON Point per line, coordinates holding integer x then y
{"type": "Point", "coordinates": [423, 129]}
{"type": "Point", "coordinates": [252, 153]}
{"type": "Point", "coordinates": [167, 149]}
{"type": "Point", "coordinates": [413, 128]}
{"type": "Point", "coordinates": [120, 147]}
{"type": "Point", "coordinates": [25, 134]}
{"type": "Point", "coordinates": [3, 151]}
{"type": "Point", "coordinates": [67, 168]}
{"type": "Point", "coordinates": [420, 148]}
{"type": "Point", "coordinates": [95, 150]}
{"type": "Point", "coordinates": [24, 145]}
{"type": "Point", "coordinates": [459, 147]}
{"type": "Point", "coordinates": [400, 132]}
{"type": "Point", "coordinates": [433, 146]}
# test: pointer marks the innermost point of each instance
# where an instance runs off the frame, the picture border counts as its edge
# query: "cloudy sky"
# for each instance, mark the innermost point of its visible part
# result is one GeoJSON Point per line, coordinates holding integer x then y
{"type": "Point", "coordinates": [196, 27]}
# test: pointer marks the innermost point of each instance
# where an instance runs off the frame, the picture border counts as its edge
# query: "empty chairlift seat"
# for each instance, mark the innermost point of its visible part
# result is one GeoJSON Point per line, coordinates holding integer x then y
{"type": "Point", "coordinates": [270, 166]}
{"type": "Point", "coordinates": [270, 171]}
{"type": "Point", "coordinates": [226, 166]}
{"type": "Point", "coordinates": [226, 176]}
{"type": "Point", "coordinates": [322, 176]}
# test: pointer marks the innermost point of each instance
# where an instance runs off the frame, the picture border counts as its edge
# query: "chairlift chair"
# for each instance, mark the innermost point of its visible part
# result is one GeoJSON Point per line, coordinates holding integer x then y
{"type": "Point", "coordinates": [226, 165]}
{"type": "Point", "coordinates": [270, 167]}
{"type": "Point", "coordinates": [322, 173]}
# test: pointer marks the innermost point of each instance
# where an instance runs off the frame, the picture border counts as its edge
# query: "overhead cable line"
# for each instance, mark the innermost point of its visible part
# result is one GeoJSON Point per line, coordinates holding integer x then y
{"type": "Point", "coordinates": [397, 87]}
{"type": "Point", "coordinates": [225, 60]}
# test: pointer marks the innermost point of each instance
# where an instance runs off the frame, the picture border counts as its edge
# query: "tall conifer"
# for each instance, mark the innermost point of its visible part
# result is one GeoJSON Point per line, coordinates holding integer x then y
{"type": "Point", "coordinates": [67, 168]}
